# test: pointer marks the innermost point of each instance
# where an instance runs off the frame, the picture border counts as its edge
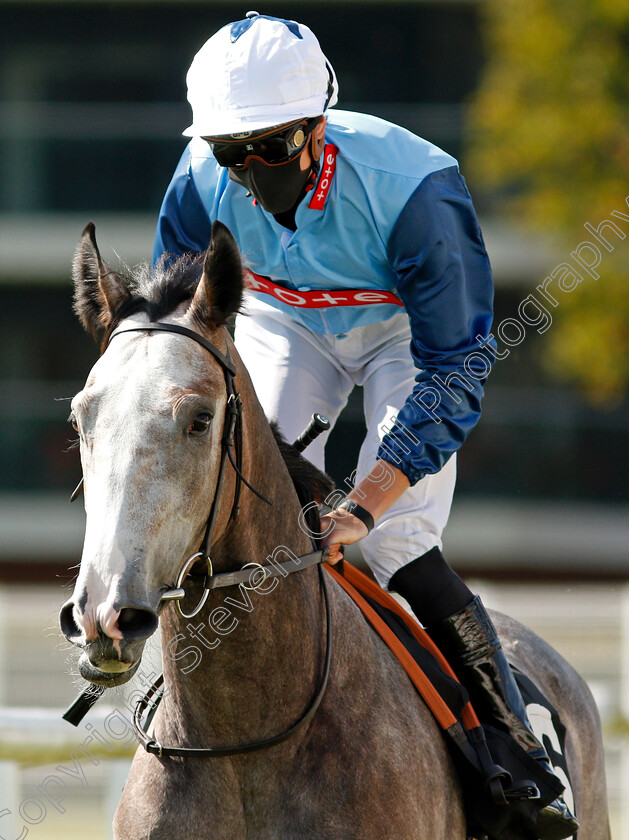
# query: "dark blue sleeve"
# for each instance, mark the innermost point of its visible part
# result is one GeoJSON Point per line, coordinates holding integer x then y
{"type": "Point", "coordinates": [444, 280]}
{"type": "Point", "coordinates": [183, 225]}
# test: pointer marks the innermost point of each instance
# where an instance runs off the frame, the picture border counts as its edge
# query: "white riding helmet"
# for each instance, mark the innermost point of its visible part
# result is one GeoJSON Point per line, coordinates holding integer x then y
{"type": "Point", "coordinates": [258, 72]}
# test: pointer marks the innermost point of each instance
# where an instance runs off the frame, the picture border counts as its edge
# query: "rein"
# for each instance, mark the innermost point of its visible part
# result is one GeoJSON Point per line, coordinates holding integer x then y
{"type": "Point", "coordinates": [154, 695]}
{"type": "Point", "coordinates": [232, 439]}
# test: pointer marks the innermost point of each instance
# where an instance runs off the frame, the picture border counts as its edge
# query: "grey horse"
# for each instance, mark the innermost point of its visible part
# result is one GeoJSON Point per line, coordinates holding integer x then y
{"type": "Point", "coordinates": [371, 763]}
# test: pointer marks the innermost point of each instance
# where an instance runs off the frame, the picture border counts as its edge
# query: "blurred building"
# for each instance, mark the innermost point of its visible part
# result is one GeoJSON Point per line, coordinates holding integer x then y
{"type": "Point", "coordinates": [92, 104]}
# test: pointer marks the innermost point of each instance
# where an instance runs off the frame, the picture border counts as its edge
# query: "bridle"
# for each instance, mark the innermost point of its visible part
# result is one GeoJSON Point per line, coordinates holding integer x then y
{"type": "Point", "coordinates": [231, 443]}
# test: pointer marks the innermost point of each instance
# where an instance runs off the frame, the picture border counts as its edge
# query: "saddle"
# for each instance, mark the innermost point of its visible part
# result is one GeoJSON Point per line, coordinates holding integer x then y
{"type": "Point", "coordinates": [503, 787]}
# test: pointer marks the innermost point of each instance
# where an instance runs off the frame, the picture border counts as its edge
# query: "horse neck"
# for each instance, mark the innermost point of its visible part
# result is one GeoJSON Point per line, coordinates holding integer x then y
{"type": "Point", "coordinates": [255, 659]}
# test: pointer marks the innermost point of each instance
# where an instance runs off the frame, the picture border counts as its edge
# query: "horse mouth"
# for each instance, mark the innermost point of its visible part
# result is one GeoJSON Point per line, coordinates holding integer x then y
{"type": "Point", "coordinates": [114, 666]}
{"type": "Point", "coordinates": [110, 673]}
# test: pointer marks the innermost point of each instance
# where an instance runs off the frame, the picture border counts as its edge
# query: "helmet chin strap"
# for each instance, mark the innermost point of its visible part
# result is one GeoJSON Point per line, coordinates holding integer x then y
{"type": "Point", "coordinates": [316, 150]}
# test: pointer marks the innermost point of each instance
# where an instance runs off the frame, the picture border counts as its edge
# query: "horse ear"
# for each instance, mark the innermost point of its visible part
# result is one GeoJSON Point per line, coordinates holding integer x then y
{"type": "Point", "coordinates": [220, 290]}
{"type": "Point", "coordinates": [98, 291]}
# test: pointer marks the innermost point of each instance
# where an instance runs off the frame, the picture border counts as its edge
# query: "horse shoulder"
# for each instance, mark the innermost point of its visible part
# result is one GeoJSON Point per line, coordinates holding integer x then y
{"type": "Point", "coordinates": [375, 733]}
{"type": "Point", "coordinates": [167, 798]}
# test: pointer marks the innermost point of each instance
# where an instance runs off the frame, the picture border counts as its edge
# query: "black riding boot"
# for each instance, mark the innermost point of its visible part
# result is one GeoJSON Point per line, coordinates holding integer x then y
{"type": "Point", "coordinates": [469, 640]}
{"type": "Point", "coordinates": [470, 637]}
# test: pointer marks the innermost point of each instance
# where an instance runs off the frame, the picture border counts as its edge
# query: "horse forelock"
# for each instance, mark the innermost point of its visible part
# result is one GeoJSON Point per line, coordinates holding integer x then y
{"type": "Point", "coordinates": [159, 290]}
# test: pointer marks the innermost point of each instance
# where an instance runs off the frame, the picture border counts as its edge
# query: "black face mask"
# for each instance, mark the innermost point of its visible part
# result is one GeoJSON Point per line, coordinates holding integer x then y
{"type": "Point", "coordinates": [277, 187]}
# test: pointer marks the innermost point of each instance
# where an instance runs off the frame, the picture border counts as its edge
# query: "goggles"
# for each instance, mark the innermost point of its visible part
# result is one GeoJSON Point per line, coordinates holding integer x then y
{"type": "Point", "coordinates": [273, 146]}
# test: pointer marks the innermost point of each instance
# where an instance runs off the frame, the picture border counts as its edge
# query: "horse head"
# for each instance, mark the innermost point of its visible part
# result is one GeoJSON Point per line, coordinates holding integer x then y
{"type": "Point", "coordinates": [150, 422]}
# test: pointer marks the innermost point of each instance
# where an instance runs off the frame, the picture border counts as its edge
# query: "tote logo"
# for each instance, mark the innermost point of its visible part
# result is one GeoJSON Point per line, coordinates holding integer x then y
{"type": "Point", "coordinates": [325, 181]}
{"type": "Point", "coordinates": [320, 299]}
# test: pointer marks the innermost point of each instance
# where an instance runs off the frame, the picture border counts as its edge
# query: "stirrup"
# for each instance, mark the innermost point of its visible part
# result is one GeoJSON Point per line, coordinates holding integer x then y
{"type": "Point", "coordinates": [502, 795]}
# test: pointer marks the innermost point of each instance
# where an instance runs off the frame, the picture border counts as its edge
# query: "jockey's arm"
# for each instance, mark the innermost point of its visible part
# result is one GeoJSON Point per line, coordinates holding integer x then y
{"type": "Point", "coordinates": [183, 226]}
{"type": "Point", "coordinates": [444, 280]}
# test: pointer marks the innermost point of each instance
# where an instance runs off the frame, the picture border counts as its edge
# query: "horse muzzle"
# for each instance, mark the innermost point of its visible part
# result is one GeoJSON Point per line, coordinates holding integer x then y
{"type": "Point", "coordinates": [112, 649]}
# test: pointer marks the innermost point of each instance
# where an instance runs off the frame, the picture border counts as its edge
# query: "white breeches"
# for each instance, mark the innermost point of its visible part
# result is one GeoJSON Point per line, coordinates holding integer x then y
{"type": "Point", "coordinates": [297, 372]}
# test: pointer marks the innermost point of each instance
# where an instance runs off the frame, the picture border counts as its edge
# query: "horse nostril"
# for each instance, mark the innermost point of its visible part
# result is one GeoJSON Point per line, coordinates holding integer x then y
{"type": "Point", "coordinates": [136, 623]}
{"type": "Point", "coordinates": [69, 627]}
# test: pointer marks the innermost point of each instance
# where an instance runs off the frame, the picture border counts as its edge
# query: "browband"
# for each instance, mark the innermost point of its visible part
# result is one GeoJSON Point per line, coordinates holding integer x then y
{"type": "Point", "coordinates": [154, 326]}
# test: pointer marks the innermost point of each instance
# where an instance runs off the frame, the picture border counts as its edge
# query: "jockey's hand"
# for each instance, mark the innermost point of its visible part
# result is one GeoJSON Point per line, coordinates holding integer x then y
{"type": "Point", "coordinates": [346, 529]}
{"type": "Point", "coordinates": [376, 493]}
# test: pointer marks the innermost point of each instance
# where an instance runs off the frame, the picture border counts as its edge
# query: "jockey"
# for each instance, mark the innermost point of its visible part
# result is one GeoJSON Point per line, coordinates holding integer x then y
{"type": "Point", "coordinates": [367, 267]}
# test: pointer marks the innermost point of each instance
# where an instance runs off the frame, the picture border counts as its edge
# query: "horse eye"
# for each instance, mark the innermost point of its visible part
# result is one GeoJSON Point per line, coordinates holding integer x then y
{"type": "Point", "coordinates": [200, 424]}
{"type": "Point", "coordinates": [72, 421]}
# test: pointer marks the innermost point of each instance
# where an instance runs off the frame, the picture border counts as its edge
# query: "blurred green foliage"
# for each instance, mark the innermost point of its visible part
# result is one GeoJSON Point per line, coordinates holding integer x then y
{"type": "Point", "coordinates": [549, 140]}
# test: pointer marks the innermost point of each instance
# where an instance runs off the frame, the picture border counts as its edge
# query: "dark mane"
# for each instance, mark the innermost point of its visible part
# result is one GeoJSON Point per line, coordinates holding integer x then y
{"type": "Point", "coordinates": [311, 484]}
{"type": "Point", "coordinates": [159, 290]}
